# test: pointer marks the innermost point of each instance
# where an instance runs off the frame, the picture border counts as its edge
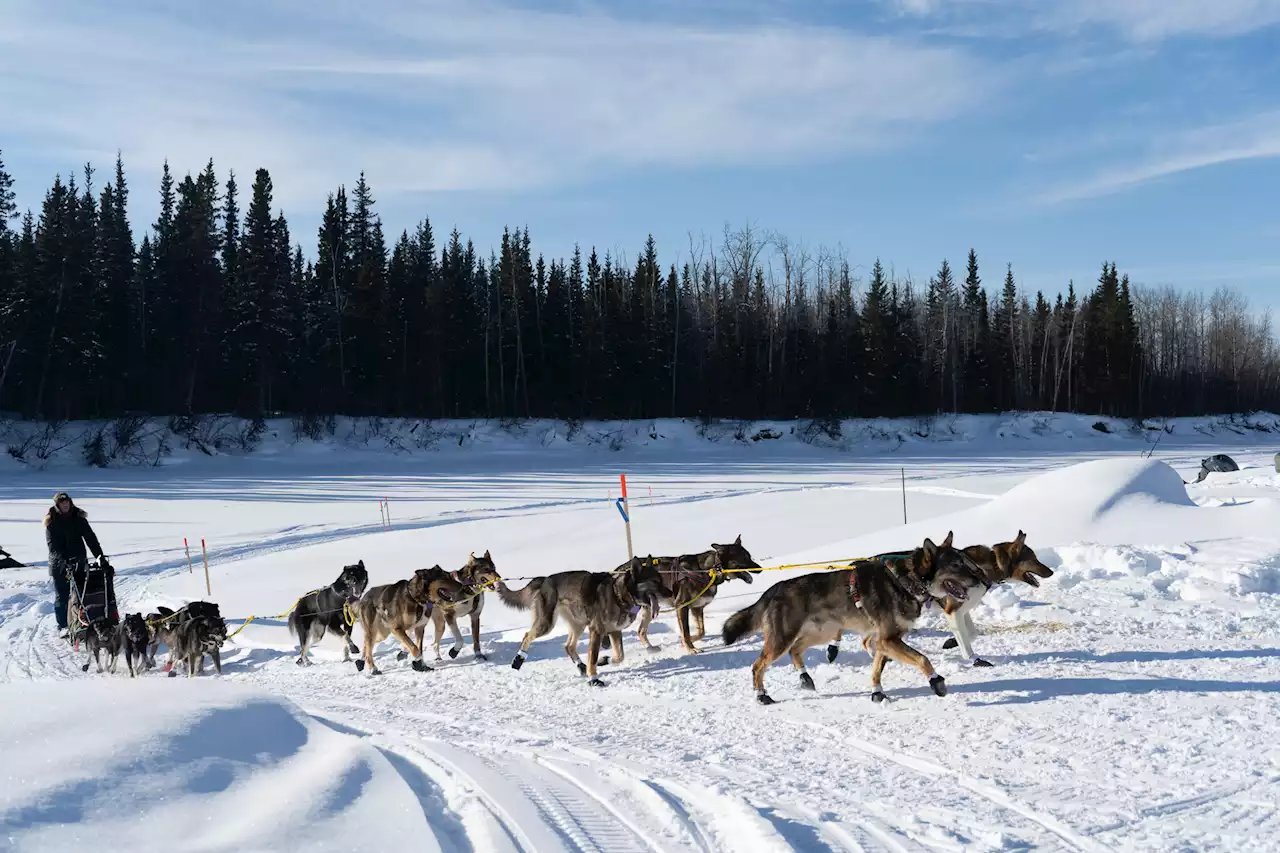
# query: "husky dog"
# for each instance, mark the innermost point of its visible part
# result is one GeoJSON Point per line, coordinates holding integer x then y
{"type": "Point", "coordinates": [880, 600]}
{"type": "Point", "coordinates": [1005, 562]}
{"type": "Point", "coordinates": [601, 603]}
{"type": "Point", "coordinates": [134, 638]}
{"type": "Point", "coordinates": [324, 610]}
{"type": "Point", "coordinates": [102, 635]}
{"type": "Point", "coordinates": [476, 576]}
{"type": "Point", "coordinates": [162, 626]}
{"type": "Point", "coordinates": [401, 607]}
{"type": "Point", "coordinates": [200, 631]}
{"type": "Point", "coordinates": [693, 580]}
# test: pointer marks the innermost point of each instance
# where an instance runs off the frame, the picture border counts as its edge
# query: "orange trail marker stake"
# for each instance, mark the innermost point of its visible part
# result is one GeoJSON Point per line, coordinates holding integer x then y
{"type": "Point", "coordinates": [188, 549]}
{"type": "Point", "coordinates": [205, 552]}
{"type": "Point", "coordinates": [626, 517]}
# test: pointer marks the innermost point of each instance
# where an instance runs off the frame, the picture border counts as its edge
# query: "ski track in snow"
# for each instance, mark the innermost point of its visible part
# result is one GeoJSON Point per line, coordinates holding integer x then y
{"type": "Point", "coordinates": [1133, 706]}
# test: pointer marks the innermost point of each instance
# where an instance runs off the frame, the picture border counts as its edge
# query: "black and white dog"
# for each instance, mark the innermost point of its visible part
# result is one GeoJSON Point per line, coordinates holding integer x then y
{"type": "Point", "coordinates": [324, 610]}
{"type": "Point", "coordinates": [135, 636]}
{"type": "Point", "coordinates": [102, 635]}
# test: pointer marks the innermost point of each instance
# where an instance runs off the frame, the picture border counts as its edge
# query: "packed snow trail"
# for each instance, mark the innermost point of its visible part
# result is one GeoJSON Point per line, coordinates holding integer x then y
{"type": "Point", "coordinates": [1133, 705]}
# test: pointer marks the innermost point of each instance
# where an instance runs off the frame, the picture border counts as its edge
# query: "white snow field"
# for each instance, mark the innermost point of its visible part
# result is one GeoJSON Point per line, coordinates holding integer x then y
{"type": "Point", "coordinates": [1133, 705]}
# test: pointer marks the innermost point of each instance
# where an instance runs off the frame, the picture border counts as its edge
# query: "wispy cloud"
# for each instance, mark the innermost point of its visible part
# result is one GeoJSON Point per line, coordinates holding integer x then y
{"type": "Point", "coordinates": [454, 96]}
{"type": "Point", "coordinates": [1254, 138]}
{"type": "Point", "coordinates": [1140, 21]}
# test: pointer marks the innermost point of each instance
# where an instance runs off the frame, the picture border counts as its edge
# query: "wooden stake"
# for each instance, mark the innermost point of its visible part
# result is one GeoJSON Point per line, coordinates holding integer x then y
{"type": "Point", "coordinates": [205, 552]}
{"type": "Point", "coordinates": [626, 508]}
{"type": "Point", "coordinates": [188, 547]}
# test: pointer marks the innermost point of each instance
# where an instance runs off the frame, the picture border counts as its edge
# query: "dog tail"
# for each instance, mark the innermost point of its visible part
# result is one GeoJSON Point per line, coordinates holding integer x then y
{"type": "Point", "coordinates": [744, 622]}
{"type": "Point", "coordinates": [521, 599]}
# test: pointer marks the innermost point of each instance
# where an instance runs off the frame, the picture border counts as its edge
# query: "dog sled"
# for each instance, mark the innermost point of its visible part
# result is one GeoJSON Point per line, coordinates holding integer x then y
{"type": "Point", "coordinates": [92, 595]}
{"type": "Point", "coordinates": [8, 562]}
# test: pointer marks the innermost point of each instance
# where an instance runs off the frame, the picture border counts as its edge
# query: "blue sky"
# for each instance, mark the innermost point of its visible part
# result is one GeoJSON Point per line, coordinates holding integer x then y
{"type": "Point", "coordinates": [1050, 135]}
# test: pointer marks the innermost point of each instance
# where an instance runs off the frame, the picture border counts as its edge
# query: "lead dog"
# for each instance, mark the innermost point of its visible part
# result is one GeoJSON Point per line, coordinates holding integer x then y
{"type": "Point", "coordinates": [878, 599]}
{"type": "Point", "coordinates": [476, 576]}
{"type": "Point", "coordinates": [1004, 562]}
{"type": "Point", "coordinates": [323, 610]}
{"type": "Point", "coordinates": [101, 636]}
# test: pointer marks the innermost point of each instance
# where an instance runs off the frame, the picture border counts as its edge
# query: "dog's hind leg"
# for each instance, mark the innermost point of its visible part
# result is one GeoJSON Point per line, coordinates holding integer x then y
{"type": "Point", "coordinates": [543, 622]}
{"type": "Point", "coordinates": [877, 669]}
{"type": "Point", "coordinates": [797, 651]}
{"type": "Point", "coordinates": [896, 649]}
{"type": "Point", "coordinates": [615, 641]}
{"type": "Point", "coordinates": [367, 659]}
{"type": "Point", "coordinates": [475, 635]}
{"type": "Point", "coordinates": [773, 649]}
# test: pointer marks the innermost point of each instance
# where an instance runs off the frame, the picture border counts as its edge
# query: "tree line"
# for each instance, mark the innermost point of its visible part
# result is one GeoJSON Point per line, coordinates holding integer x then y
{"type": "Point", "coordinates": [219, 309]}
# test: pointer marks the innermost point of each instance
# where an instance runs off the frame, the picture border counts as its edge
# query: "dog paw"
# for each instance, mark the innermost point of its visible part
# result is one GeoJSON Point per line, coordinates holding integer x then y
{"type": "Point", "coordinates": [832, 651]}
{"type": "Point", "coordinates": [981, 662]}
{"type": "Point", "coordinates": [173, 673]}
{"type": "Point", "coordinates": [401, 655]}
{"type": "Point", "coordinates": [806, 681]}
{"type": "Point", "coordinates": [84, 668]}
{"type": "Point", "coordinates": [878, 696]}
{"type": "Point", "coordinates": [482, 657]}
{"type": "Point", "coordinates": [359, 666]}
{"type": "Point", "coordinates": [604, 661]}
{"type": "Point", "coordinates": [453, 653]}
{"type": "Point", "coordinates": [419, 666]}
{"type": "Point", "coordinates": [765, 699]}
{"type": "Point", "coordinates": [950, 643]}
{"type": "Point", "coordinates": [582, 668]}
{"type": "Point", "coordinates": [595, 682]}
{"type": "Point", "coordinates": [301, 661]}
{"type": "Point", "coordinates": [939, 685]}
{"type": "Point", "coordinates": [375, 671]}
{"type": "Point", "coordinates": [517, 662]}
{"type": "Point", "coordinates": [652, 648]}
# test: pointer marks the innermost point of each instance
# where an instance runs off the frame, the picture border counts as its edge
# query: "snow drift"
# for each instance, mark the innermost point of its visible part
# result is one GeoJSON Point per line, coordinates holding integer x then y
{"type": "Point", "coordinates": [159, 764]}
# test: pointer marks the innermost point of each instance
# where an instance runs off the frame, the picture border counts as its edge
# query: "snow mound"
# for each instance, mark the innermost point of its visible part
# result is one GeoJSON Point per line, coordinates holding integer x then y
{"type": "Point", "coordinates": [1093, 489]}
{"type": "Point", "coordinates": [156, 764]}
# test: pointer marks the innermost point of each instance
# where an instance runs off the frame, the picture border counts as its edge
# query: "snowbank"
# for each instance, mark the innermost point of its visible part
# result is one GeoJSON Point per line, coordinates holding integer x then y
{"type": "Point", "coordinates": [138, 442]}
{"type": "Point", "coordinates": [166, 764]}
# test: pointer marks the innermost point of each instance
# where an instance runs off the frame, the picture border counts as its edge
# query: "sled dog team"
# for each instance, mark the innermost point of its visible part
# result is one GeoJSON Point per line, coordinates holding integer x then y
{"type": "Point", "coordinates": [880, 599]}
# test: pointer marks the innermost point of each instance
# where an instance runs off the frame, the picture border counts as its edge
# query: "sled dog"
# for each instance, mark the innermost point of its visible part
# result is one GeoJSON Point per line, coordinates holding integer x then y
{"type": "Point", "coordinates": [200, 631]}
{"type": "Point", "coordinates": [693, 580]}
{"type": "Point", "coordinates": [134, 637]}
{"type": "Point", "coordinates": [399, 608]}
{"type": "Point", "coordinates": [102, 637]}
{"type": "Point", "coordinates": [881, 600]}
{"type": "Point", "coordinates": [999, 564]}
{"type": "Point", "coordinates": [323, 610]}
{"type": "Point", "coordinates": [601, 603]}
{"type": "Point", "coordinates": [478, 575]}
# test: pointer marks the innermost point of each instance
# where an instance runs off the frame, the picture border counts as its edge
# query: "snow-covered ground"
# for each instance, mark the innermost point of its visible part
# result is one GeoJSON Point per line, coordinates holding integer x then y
{"type": "Point", "coordinates": [1134, 703]}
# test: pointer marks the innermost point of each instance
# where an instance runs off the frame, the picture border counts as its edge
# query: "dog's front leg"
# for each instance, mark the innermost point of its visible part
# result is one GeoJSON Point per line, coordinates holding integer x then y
{"type": "Point", "coordinates": [475, 634]}
{"type": "Point", "coordinates": [594, 638]}
{"type": "Point", "coordinates": [699, 619]}
{"type": "Point", "coordinates": [452, 619]}
{"type": "Point", "coordinates": [642, 632]}
{"type": "Point", "coordinates": [962, 628]}
{"type": "Point", "coordinates": [682, 617]}
{"type": "Point", "coordinates": [414, 649]}
{"type": "Point", "coordinates": [216, 654]}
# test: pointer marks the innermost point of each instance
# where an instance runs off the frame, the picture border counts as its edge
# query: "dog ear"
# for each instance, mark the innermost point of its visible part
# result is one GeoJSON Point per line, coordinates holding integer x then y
{"type": "Point", "coordinates": [1022, 538]}
{"type": "Point", "coordinates": [360, 564]}
{"type": "Point", "coordinates": [951, 535]}
{"type": "Point", "coordinates": [738, 541]}
{"type": "Point", "coordinates": [930, 550]}
{"type": "Point", "coordinates": [486, 555]}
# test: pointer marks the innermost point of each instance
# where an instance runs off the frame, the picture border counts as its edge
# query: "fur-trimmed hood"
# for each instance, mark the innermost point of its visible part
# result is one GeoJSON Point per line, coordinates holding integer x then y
{"type": "Point", "coordinates": [53, 511]}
